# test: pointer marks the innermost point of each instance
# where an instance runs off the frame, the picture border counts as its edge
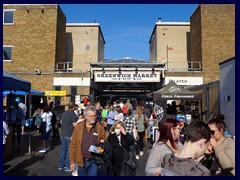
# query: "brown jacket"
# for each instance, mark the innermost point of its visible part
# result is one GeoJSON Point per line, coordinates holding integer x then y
{"type": "Point", "coordinates": [75, 149]}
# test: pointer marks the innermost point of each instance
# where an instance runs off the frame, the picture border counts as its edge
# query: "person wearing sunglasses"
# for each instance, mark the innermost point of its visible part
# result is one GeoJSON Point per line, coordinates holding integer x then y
{"type": "Point", "coordinates": [224, 147]}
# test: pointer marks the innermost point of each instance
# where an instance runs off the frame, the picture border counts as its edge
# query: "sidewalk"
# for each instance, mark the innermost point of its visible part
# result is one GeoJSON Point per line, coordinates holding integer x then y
{"type": "Point", "coordinates": [39, 164]}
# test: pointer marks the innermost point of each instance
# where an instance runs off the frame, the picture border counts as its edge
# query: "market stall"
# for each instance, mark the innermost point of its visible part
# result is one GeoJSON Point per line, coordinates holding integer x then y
{"type": "Point", "coordinates": [13, 83]}
{"type": "Point", "coordinates": [171, 92]}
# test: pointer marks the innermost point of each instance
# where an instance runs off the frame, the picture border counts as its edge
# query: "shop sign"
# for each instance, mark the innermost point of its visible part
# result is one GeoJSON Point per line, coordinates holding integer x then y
{"type": "Point", "coordinates": [55, 93]}
{"type": "Point", "coordinates": [185, 81]}
{"type": "Point", "coordinates": [127, 76]}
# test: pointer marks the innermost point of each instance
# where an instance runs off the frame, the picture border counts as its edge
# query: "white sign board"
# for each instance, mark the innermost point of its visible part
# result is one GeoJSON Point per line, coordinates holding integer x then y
{"type": "Point", "coordinates": [127, 76]}
{"type": "Point", "coordinates": [63, 81]}
{"type": "Point", "coordinates": [185, 80]}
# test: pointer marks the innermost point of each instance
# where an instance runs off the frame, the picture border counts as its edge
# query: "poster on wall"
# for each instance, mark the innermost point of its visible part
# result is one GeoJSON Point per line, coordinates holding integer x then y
{"type": "Point", "coordinates": [78, 100]}
{"type": "Point", "coordinates": [160, 109]}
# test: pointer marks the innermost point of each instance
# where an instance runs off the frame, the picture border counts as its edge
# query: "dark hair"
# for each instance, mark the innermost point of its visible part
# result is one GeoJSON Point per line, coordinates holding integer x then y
{"type": "Point", "coordinates": [218, 120]}
{"type": "Point", "coordinates": [71, 105]}
{"type": "Point", "coordinates": [196, 131]}
{"type": "Point", "coordinates": [129, 112]}
{"type": "Point", "coordinates": [165, 131]}
{"type": "Point", "coordinates": [46, 108]}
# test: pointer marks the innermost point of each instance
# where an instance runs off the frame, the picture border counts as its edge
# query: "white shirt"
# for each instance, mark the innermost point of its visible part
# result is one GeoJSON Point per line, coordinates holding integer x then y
{"type": "Point", "coordinates": [47, 117]}
{"type": "Point", "coordinates": [6, 131]}
{"type": "Point", "coordinates": [118, 117]}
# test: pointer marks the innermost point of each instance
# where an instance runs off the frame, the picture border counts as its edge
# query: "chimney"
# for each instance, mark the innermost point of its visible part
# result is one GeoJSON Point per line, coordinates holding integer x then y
{"type": "Point", "coordinates": [159, 19]}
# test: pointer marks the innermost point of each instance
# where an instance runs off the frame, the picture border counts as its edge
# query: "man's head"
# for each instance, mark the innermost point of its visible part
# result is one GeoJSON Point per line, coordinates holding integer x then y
{"type": "Point", "coordinates": [181, 121]}
{"type": "Point", "coordinates": [90, 115]}
{"type": "Point", "coordinates": [71, 106]}
{"type": "Point", "coordinates": [198, 133]}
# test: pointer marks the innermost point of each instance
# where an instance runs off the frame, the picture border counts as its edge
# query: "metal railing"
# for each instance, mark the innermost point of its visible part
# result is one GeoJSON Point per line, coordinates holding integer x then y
{"type": "Point", "coordinates": [171, 66]}
{"type": "Point", "coordinates": [181, 66]}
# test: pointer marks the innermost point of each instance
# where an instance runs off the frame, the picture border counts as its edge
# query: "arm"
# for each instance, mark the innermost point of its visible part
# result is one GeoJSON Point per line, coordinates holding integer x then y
{"type": "Point", "coordinates": [153, 166]}
{"type": "Point", "coordinates": [72, 149]}
{"type": "Point", "coordinates": [226, 154]}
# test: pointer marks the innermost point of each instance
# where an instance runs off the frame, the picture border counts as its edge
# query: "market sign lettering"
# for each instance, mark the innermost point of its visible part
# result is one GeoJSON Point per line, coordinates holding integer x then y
{"type": "Point", "coordinates": [127, 76]}
{"type": "Point", "coordinates": [178, 96]}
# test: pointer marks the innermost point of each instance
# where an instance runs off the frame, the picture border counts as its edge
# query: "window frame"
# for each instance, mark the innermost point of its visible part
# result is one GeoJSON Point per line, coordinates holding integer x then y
{"type": "Point", "coordinates": [8, 10]}
{"type": "Point", "coordinates": [10, 54]}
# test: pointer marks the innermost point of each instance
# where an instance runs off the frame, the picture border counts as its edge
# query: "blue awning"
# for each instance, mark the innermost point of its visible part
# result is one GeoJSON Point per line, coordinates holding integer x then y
{"type": "Point", "coordinates": [32, 92]}
{"type": "Point", "coordinates": [11, 82]}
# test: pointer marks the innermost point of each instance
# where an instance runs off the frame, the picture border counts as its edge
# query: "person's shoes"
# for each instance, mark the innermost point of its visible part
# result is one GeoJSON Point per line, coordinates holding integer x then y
{"type": "Point", "coordinates": [75, 173]}
{"type": "Point", "coordinates": [60, 168]}
{"type": "Point", "coordinates": [43, 151]}
{"type": "Point", "coordinates": [141, 153]}
{"type": "Point", "coordinates": [137, 156]}
{"type": "Point", "coordinates": [67, 169]}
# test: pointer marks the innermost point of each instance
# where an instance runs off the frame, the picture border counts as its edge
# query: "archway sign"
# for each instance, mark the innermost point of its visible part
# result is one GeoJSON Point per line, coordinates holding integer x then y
{"type": "Point", "coordinates": [171, 92]}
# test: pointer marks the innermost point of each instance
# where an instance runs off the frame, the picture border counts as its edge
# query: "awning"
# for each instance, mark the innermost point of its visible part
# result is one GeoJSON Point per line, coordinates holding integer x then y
{"type": "Point", "coordinates": [32, 92]}
{"type": "Point", "coordinates": [11, 82]}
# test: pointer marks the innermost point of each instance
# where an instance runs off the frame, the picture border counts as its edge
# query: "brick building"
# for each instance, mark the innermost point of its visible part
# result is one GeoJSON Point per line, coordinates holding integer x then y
{"type": "Point", "coordinates": [41, 48]}
{"type": "Point", "coordinates": [212, 37]}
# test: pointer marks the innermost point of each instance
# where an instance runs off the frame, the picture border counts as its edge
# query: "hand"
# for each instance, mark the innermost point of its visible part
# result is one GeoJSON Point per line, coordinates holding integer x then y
{"type": "Point", "coordinates": [213, 142]}
{"type": "Point", "coordinates": [72, 167]}
{"type": "Point", "coordinates": [123, 130]}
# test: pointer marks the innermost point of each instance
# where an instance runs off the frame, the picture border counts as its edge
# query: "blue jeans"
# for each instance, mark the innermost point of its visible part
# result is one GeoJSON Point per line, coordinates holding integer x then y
{"type": "Point", "coordinates": [64, 154]}
{"type": "Point", "coordinates": [132, 147]}
{"type": "Point", "coordinates": [89, 169]}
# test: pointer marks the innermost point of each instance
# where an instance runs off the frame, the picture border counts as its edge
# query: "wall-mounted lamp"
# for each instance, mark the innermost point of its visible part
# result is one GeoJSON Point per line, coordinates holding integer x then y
{"type": "Point", "coordinates": [119, 71]}
{"type": "Point", "coordinates": [42, 10]}
{"type": "Point", "coordinates": [153, 70]}
{"type": "Point", "coordinates": [103, 70]}
{"type": "Point", "coordinates": [27, 10]}
{"type": "Point", "coordinates": [136, 71]}
{"type": "Point", "coordinates": [226, 98]}
{"type": "Point", "coordinates": [37, 72]}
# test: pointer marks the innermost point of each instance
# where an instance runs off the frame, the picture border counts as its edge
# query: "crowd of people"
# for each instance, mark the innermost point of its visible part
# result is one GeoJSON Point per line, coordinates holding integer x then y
{"type": "Point", "coordinates": [109, 141]}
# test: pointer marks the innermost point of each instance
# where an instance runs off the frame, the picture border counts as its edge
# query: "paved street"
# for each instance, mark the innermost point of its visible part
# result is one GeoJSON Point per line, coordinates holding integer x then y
{"type": "Point", "coordinates": [45, 164]}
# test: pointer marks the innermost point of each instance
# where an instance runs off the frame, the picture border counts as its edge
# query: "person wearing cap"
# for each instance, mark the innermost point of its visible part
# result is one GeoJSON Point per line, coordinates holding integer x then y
{"type": "Point", "coordinates": [183, 125]}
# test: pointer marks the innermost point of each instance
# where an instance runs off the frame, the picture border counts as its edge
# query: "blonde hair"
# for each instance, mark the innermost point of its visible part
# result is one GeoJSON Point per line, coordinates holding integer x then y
{"type": "Point", "coordinates": [139, 112]}
{"type": "Point", "coordinates": [115, 124]}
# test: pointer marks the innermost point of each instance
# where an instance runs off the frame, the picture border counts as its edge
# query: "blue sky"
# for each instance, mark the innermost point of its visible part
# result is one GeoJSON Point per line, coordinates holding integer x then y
{"type": "Point", "coordinates": [127, 27]}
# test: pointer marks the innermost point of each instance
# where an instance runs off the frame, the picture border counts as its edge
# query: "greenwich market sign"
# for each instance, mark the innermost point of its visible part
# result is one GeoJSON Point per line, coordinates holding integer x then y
{"type": "Point", "coordinates": [126, 76]}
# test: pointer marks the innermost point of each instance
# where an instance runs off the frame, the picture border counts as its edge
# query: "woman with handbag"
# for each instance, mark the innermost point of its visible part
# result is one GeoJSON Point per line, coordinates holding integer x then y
{"type": "Point", "coordinates": [120, 141]}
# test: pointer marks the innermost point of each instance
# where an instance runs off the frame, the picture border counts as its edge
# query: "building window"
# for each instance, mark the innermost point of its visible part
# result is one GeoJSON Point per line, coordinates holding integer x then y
{"type": "Point", "coordinates": [7, 53]}
{"type": "Point", "coordinates": [73, 92]}
{"type": "Point", "coordinates": [87, 47]}
{"type": "Point", "coordinates": [8, 16]}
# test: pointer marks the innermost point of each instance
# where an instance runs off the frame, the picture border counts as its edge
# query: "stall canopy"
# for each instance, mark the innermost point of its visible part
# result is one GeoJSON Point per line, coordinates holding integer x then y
{"type": "Point", "coordinates": [32, 92]}
{"type": "Point", "coordinates": [171, 92]}
{"type": "Point", "coordinates": [11, 82]}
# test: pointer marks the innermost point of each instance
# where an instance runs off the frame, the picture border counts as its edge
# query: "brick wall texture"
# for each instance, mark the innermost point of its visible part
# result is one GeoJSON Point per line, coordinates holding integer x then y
{"type": "Point", "coordinates": [212, 37]}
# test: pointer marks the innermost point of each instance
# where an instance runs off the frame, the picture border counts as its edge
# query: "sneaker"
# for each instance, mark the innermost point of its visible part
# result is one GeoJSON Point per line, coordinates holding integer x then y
{"type": "Point", "coordinates": [60, 168]}
{"type": "Point", "coordinates": [137, 156]}
{"type": "Point", "coordinates": [141, 153]}
{"type": "Point", "coordinates": [75, 173]}
{"type": "Point", "coordinates": [67, 169]}
{"type": "Point", "coordinates": [43, 151]}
